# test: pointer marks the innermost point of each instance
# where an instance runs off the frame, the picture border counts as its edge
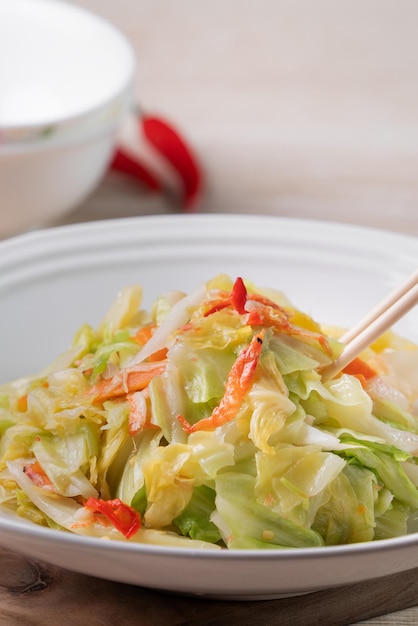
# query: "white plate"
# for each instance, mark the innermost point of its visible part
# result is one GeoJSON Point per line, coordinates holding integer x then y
{"type": "Point", "coordinates": [52, 281]}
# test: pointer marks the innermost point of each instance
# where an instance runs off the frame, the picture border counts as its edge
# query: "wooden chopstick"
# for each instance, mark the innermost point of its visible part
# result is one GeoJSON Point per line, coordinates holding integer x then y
{"type": "Point", "coordinates": [381, 318]}
{"type": "Point", "coordinates": [387, 302]}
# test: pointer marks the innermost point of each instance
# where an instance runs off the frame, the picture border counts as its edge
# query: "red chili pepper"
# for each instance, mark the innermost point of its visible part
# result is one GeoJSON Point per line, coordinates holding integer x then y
{"type": "Point", "coordinates": [239, 296]}
{"type": "Point", "coordinates": [124, 163]}
{"type": "Point", "coordinates": [168, 142]}
{"type": "Point", "coordinates": [237, 299]}
{"type": "Point", "coordinates": [123, 517]}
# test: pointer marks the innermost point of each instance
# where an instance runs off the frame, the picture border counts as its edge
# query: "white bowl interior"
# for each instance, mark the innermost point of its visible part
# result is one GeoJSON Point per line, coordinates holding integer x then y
{"type": "Point", "coordinates": [59, 58]}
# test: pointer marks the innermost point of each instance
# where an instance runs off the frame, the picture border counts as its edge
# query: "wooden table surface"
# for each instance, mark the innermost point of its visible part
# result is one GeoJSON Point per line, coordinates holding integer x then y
{"type": "Point", "coordinates": [304, 109]}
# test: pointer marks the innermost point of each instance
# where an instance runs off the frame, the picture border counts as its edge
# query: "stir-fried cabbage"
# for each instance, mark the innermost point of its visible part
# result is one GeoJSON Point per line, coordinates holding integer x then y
{"type": "Point", "coordinates": [205, 422]}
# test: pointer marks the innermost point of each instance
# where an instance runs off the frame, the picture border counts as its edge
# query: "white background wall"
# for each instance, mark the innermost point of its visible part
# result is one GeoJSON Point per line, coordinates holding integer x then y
{"type": "Point", "coordinates": [296, 107]}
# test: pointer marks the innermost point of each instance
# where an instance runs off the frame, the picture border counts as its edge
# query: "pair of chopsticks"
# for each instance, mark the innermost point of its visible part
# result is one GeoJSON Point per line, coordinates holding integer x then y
{"type": "Point", "coordinates": [391, 309]}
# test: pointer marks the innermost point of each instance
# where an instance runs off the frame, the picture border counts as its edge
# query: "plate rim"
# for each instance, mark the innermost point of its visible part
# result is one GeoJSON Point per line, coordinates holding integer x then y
{"type": "Point", "coordinates": [16, 250]}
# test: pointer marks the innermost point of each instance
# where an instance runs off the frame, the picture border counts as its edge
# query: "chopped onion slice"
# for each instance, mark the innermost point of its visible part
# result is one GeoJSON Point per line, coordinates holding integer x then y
{"type": "Point", "coordinates": [178, 316]}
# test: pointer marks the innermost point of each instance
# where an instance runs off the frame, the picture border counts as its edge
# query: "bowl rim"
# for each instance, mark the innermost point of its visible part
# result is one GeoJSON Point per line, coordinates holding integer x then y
{"type": "Point", "coordinates": [38, 141]}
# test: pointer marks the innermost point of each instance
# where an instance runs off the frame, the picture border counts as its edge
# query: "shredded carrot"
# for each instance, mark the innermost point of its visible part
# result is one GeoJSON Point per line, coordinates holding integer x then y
{"type": "Point", "coordinates": [143, 335]}
{"type": "Point", "coordinates": [22, 403]}
{"type": "Point", "coordinates": [160, 355]}
{"type": "Point", "coordinates": [124, 382]}
{"type": "Point", "coordinates": [361, 370]}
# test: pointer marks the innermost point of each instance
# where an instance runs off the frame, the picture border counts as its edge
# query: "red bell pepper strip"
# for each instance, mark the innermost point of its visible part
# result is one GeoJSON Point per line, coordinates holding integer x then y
{"type": "Point", "coordinates": [239, 381]}
{"type": "Point", "coordinates": [123, 517]}
{"type": "Point", "coordinates": [167, 141]}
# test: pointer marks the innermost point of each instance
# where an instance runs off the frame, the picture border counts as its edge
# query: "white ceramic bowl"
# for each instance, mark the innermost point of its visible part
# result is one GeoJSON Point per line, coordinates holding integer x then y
{"type": "Point", "coordinates": [67, 82]}
{"type": "Point", "coordinates": [54, 280]}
